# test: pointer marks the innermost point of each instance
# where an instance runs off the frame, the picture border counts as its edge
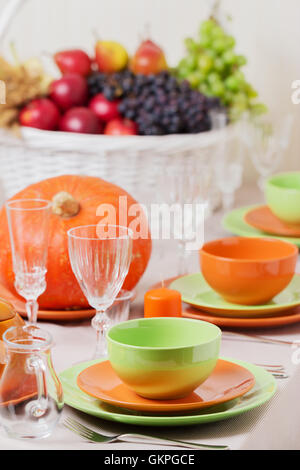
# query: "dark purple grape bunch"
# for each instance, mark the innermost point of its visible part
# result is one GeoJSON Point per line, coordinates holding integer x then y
{"type": "Point", "coordinates": [159, 104]}
{"type": "Point", "coordinates": [113, 86]}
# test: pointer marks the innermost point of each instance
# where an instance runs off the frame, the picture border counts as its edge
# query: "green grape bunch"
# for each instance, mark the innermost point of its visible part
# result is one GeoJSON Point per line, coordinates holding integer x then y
{"type": "Point", "coordinates": [212, 66]}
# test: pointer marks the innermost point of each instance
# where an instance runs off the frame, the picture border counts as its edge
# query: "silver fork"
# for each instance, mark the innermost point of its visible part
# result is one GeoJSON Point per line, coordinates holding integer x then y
{"type": "Point", "coordinates": [278, 371]}
{"type": "Point", "coordinates": [255, 338]}
{"type": "Point", "coordinates": [93, 436]}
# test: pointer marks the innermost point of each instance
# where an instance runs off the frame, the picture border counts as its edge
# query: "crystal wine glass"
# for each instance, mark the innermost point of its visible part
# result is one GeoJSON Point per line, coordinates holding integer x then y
{"type": "Point", "coordinates": [100, 257]}
{"type": "Point", "coordinates": [228, 158]}
{"type": "Point", "coordinates": [28, 222]}
{"type": "Point", "coordinates": [186, 189]}
{"type": "Point", "coordinates": [267, 141]}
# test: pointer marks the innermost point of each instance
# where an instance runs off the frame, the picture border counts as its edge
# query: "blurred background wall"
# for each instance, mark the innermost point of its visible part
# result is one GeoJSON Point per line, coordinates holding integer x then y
{"type": "Point", "coordinates": [267, 33]}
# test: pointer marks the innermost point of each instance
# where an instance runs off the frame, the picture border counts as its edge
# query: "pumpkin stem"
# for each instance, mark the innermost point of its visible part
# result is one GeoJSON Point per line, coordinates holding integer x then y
{"type": "Point", "coordinates": [64, 205]}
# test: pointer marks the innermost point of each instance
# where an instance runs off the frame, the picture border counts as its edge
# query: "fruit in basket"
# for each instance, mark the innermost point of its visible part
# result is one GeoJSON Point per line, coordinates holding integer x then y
{"type": "Point", "coordinates": [34, 67]}
{"type": "Point", "coordinates": [113, 86]}
{"type": "Point", "coordinates": [81, 120]}
{"type": "Point", "coordinates": [76, 201]}
{"type": "Point", "coordinates": [41, 114]}
{"type": "Point", "coordinates": [69, 91]}
{"type": "Point", "coordinates": [163, 106]}
{"type": "Point", "coordinates": [103, 108]}
{"type": "Point", "coordinates": [148, 59]}
{"type": "Point", "coordinates": [23, 84]}
{"type": "Point", "coordinates": [110, 56]}
{"type": "Point", "coordinates": [121, 127]}
{"type": "Point", "coordinates": [212, 66]}
{"type": "Point", "coordinates": [159, 103]}
{"type": "Point", "coordinates": [73, 61]}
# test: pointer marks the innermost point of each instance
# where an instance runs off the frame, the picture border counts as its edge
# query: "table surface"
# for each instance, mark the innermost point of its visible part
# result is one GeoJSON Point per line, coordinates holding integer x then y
{"type": "Point", "coordinates": [271, 426]}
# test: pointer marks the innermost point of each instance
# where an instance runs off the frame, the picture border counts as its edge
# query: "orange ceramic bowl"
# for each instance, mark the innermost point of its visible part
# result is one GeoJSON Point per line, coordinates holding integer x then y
{"type": "Point", "coordinates": [248, 271]}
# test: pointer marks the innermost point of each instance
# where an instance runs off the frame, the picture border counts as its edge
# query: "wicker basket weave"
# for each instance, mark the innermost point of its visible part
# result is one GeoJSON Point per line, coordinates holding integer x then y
{"type": "Point", "coordinates": [131, 162]}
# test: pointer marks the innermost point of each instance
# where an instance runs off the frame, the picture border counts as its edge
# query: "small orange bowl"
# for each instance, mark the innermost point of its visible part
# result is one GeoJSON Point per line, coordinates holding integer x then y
{"type": "Point", "coordinates": [248, 271]}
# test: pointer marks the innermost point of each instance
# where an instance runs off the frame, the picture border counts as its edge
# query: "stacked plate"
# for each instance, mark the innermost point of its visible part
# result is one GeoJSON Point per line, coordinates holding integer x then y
{"type": "Point", "coordinates": [166, 372]}
{"type": "Point", "coordinates": [204, 303]}
{"type": "Point", "coordinates": [118, 311]}
{"type": "Point", "coordinates": [233, 388]}
{"type": "Point", "coordinates": [259, 221]}
{"type": "Point", "coordinates": [280, 217]}
{"type": "Point", "coordinates": [220, 294]}
{"type": "Point", "coordinates": [245, 283]}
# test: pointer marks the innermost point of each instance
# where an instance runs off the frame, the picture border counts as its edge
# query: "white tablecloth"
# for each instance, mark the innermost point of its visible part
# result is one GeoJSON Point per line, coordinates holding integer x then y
{"type": "Point", "coordinates": [272, 426]}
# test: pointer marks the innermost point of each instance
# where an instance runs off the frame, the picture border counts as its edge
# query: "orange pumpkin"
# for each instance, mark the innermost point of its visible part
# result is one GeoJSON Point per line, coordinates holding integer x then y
{"type": "Point", "coordinates": [75, 202]}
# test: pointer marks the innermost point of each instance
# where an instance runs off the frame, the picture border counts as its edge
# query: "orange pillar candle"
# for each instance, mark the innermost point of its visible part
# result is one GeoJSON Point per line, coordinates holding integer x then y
{"type": "Point", "coordinates": [162, 302]}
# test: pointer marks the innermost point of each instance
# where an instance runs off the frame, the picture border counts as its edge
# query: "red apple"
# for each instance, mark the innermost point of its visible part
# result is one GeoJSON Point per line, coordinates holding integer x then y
{"type": "Point", "coordinates": [121, 127]}
{"type": "Point", "coordinates": [80, 120]}
{"type": "Point", "coordinates": [148, 59]}
{"type": "Point", "coordinates": [105, 110]}
{"type": "Point", "coordinates": [73, 61]}
{"type": "Point", "coordinates": [69, 91]}
{"type": "Point", "coordinates": [41, 114]}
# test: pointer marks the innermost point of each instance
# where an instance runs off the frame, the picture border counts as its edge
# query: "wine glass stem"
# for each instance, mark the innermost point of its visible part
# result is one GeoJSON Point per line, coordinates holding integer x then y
{"type": "Point", "coordinates": [228, 200]}
{"type": "Point", "coordinates": [183, 259]}
{"type": "Point", "coordinates": [261, 182]}
{"type": "Point", "coordinates": [101, 324]}
{"type": "Point", "coordinates": [32, 311]}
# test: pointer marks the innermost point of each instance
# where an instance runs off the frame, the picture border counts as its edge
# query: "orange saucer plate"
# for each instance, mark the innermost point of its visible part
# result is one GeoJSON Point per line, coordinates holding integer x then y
{"type": "Point", "coordinates": [287, 318]}
{"type": "Point", "coordinates": [227, 382]}
{"type": "Point", "coordinates": [235, 322]}
{"type": "Point", "coordinates": [58, 315]}
{"type": "Point", "coordinates": [263, 219]}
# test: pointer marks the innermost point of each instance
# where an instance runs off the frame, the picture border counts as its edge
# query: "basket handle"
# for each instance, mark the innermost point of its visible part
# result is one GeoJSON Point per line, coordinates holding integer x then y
{"type": "Point", "coordinates": [7, 15]}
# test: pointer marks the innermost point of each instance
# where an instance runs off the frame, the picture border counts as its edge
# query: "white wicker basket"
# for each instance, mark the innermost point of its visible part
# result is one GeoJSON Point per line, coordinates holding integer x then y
{"type": "Point", "coordinates": [130, 162]}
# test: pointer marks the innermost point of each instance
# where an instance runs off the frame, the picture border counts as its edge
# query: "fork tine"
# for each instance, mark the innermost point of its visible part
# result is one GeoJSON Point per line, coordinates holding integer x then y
{"type": "Point", "coordinates": [85, 432]}
{"type": "Point", "coordinates": [78, 425]}
{"type": "Point", "coordinates": [75, 423]}
{"type": "Point", "coordinates": [83, 427]}
{"type": "Point", "coordinates": [78, 428]}
{"type": "Point", "coordinates": [75, 430]}
{"type": "Point", "coordinates": [273, 369]}
{"type": "Point", "coordinates": [275, 366]}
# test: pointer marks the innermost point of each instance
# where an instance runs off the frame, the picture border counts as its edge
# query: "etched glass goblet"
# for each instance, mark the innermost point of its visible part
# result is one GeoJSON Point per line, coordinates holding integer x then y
{"type": "Point", "coordinates": [100, 257]}
{"type": "Point", "coordinates": [267, 140]}
{"type": "Point", "coordinates": [228, 158]}
{"type": "Point", "coordinates": [28, 222]}
{"type": "Point", "coordinates": [186, 190]}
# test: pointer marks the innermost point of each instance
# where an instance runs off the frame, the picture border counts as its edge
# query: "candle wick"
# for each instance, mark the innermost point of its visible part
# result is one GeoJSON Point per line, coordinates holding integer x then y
{"type": "Point", "coordinates": [162, 281]}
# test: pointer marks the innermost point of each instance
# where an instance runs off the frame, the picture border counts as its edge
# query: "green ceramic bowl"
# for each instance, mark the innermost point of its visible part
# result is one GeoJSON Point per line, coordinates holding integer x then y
{"type": "Point", "coordinates": [163, 358]}
{"type": "Point", "coordinates": [282, 193]}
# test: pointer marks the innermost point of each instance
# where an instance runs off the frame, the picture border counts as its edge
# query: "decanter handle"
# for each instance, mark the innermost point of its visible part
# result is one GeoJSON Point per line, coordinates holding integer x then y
{"type": "Point", "coordinates": [35, 364]}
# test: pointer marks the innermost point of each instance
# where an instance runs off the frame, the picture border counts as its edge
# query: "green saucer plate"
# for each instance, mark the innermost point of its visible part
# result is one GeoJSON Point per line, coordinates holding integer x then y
{"type": "Point", "coordinates": [262, 392]}
{"type": "Point", "coordinates": [234, 223]}
{"type": "Point", "coordinates": [196, 292]}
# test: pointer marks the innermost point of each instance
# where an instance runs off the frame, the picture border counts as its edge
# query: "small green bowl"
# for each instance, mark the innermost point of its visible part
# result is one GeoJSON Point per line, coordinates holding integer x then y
{"type": "Point", "coordinates": [163, 358]}
{"type": "Point", "coordinates": [282, 193]}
